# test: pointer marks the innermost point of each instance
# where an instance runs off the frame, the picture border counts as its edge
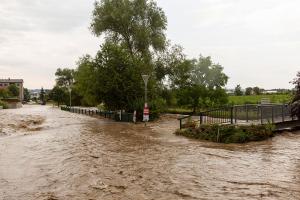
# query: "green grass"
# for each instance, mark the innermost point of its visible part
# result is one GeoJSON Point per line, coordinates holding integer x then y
{"type": "Point", "coordinates": [254, 99]}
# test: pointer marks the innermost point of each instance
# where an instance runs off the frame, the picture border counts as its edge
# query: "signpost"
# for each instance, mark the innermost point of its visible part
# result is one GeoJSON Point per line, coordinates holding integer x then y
{"type": "Point", "coordinates": [146, 109]}
{"type": "Point", "coordinates": [146, 113]}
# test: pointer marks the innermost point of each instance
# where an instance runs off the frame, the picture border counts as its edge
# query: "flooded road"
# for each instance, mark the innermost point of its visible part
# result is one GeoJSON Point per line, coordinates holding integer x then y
{"type": "Point", "coordinates": [49, 154]}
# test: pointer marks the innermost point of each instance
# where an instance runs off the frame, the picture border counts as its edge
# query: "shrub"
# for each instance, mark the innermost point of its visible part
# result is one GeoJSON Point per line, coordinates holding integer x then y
{"type": "Point", "coordinates": [228, 133]}
{"type": "Point", "coordinates": [3, 104]}
{"type": "Point", "coordinates": [156, 107]}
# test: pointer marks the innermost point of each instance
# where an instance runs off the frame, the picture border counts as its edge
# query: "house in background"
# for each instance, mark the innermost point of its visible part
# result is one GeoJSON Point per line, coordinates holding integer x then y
{"type": "Point", "coordinates": [13, 102]}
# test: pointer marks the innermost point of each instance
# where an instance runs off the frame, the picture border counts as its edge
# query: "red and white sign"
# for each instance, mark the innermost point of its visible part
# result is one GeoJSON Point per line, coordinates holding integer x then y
{"type": "Point", "coordinates": [146, 114]}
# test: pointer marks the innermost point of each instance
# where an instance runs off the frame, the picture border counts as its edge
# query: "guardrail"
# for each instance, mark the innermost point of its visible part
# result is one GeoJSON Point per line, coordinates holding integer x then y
{"type": "Point", "coordinates": [117, 116]}
{"type": "Point", "coordinates": [241, 114]}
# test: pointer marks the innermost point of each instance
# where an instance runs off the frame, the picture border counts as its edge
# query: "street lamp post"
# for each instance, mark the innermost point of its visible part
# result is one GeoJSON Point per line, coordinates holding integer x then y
{"type": "Point", "coordinates": [146, 110]}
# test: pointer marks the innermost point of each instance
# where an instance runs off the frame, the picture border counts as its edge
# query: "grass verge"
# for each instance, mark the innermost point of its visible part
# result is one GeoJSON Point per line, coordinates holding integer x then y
{"type": "Point", "coordinates": [228, 133]}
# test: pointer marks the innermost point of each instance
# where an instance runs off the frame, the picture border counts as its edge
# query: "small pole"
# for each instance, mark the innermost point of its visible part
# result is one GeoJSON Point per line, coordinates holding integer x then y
{"type": "Point", "coordinates": [247, 113]}
{"type": "Point", "coordinates": [261, 115]}
{"type": "Point", "coordinates": [201, 118]}
{"type": "Point", "coordinates": [273, 114]}
{"type": "Point", "coordinates": [231, 114]}
{"type": "Point", "coordinates": [180, 123]}
{"type": "Point", "coordinates": [282, 112]}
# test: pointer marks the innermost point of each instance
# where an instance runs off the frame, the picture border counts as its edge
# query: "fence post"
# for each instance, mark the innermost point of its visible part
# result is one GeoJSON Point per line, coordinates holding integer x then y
{"type": "Point", "coordinates": [282, 112]}
{"type": "Point", "coordinates": [231, 114]}
{"type": "Point", "coordinates": [261, 115]}
{"type": "Point", "coordinates": [235, 114]}
{"type": "Point", "coordinates": [201, 118]}
{"type": "Point", "coordinates": [180, 124]}
{"type": "Point", "coordinates": [247, 114]}
{"type": "Point", "coordinates": [272, 114]}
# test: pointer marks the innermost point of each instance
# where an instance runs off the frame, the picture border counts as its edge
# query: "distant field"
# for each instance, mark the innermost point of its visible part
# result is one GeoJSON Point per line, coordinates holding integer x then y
{"type": "Point", "coordinates": [239, 100]}
{"type": "Point", "coordinates": [274, 98]}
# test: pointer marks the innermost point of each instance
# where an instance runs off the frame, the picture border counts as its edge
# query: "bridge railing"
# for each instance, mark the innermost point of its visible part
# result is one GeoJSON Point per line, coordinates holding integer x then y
{"type": "Point", "coordinates": [241, 114]}
{"type": "Point", "coordinates": [117, 116]}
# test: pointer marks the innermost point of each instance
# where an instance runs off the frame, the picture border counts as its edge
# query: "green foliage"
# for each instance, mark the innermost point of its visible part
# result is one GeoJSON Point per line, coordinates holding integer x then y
{"type": "Point", "coordinates": [42, 96]}
{"type": "Point", "coordinates": [3, 104]}
{"type": "Point", "coordinates": [296, 97]}
{"type": "Point", "coordinates": [157, 106]}
{"type": "Point", "coordinates": [254, 99]}
{"type": "Point", "coordinates": [26, 95]}
{"type": "Point", "coordinates": [4, 93]}
{"type": "Point", "coordinates": [135, 44]}
{"type": "Point", "coordinates": [257, 90]}
{"type": "Point", "coordinates": [249, 91]}
{"type": "Point", "coordinates": [228, 133]}
{"type": "Point", "coordinates": [13, 90]}
{"type": "Point", "coordinates": [58, 95]}
{"type": "Point", "coordinates": [199, 83]}
{"type": "Point", "coordinates": [238, 90]}
{"type": "Point", "coordinates": [137, 24]}
{"type": "Point", "coordinates": [64, 77]}
{"type": "Point", "coordinates": [87, 77]}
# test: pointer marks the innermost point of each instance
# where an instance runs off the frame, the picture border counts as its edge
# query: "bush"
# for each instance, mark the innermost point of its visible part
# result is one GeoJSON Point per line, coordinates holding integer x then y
{"type": "Point", "coordinates": [3, 104]}
{"type": "Point", "coordinates": [156, 107]}
{"type": "Point", "coordinates": [228, 133]}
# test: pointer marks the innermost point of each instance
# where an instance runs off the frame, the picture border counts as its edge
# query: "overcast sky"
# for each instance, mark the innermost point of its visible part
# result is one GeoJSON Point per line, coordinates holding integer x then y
{"type": "Point", "coordinates": [257, 42]}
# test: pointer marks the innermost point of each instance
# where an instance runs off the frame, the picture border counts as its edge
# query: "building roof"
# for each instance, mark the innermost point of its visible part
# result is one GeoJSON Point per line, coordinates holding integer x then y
{"type": "Point", "coordinates": [11, 80]}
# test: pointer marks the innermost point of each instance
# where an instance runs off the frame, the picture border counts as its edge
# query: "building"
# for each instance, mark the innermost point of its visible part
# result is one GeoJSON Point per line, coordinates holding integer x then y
{"type": "Point", "coordinates": [4, 83]}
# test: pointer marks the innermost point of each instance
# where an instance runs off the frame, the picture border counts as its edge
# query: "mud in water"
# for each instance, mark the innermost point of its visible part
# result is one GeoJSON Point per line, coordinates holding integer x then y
{"type": "Point", "coordinates": [71, 156]}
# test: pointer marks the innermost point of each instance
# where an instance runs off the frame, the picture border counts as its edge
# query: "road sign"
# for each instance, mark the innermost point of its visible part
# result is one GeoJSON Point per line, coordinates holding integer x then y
{"type": "Point", "coordinates": [146, 114]}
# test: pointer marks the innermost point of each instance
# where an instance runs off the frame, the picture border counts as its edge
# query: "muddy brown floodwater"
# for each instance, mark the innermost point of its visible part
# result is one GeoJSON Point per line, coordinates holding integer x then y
{"type": "Point", "coordinates": [49, 154]}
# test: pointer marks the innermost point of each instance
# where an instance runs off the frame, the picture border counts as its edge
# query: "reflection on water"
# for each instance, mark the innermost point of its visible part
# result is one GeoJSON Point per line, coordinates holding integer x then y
{"type": "Point", "coordinates": [60, 155]}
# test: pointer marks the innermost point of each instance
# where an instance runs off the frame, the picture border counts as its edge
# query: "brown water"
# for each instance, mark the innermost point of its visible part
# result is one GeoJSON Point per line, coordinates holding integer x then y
{"type": "Point", "coordinates": [54, 155]}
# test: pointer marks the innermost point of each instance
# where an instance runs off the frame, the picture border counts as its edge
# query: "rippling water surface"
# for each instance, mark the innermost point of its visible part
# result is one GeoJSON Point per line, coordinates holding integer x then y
{"type": "Point", "coordinates": [49, 154]}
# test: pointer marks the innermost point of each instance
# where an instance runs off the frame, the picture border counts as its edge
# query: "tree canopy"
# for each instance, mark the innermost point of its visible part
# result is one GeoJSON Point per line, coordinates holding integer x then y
{"type": "Point", "coordinates": [136, 24]}
{"type": "Point", "coordinates": [296, 98]}
{"type": "Point", "coordinates": [13, 90]}
{"type": "Point", "coordinates": [238, 90]}
{"type": "Point", "coordinates": [135, 44]}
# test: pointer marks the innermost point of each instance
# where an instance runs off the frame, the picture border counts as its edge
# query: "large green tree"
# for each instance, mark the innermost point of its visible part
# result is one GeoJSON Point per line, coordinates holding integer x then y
{"type": "Point", "coordinates": [64, 77]}
{"type": "Point", "coordinates": [137, 24]}
{"type": "Point", "coordinates": [238, 90]}
{"type": "Point", "coordinates": [134, 32]}
{"type": "Point", "coordinates": [296, 98]}
{"type": "Point", "coordinates": [248, 91]}
{"type": "Point", "coordinates": [199, 83]}
{"type": "Point", "coordinates": [58, 95]}
{"type": "Point", "coordinates": [26, 95]}
{"type": "Point", "coordinates": [112, 78]}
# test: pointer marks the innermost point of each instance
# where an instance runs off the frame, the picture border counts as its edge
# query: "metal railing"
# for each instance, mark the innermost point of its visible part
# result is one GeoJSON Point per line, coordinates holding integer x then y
{"type": "Point", "coordinates": [117, 116]}
{"type": "Point", "coordinates": [241, 114]}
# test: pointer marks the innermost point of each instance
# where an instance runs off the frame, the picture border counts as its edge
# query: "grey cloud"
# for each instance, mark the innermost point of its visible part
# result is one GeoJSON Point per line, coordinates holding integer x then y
{"type": "Point", "coordinates": [44, 15]}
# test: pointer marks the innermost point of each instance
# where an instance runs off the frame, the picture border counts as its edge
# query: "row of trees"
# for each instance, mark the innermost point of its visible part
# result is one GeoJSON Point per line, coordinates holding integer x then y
{"type": "Point", "coordinates": [135, 44]}
{"type": "Point", "coordinates": [238, 91]}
